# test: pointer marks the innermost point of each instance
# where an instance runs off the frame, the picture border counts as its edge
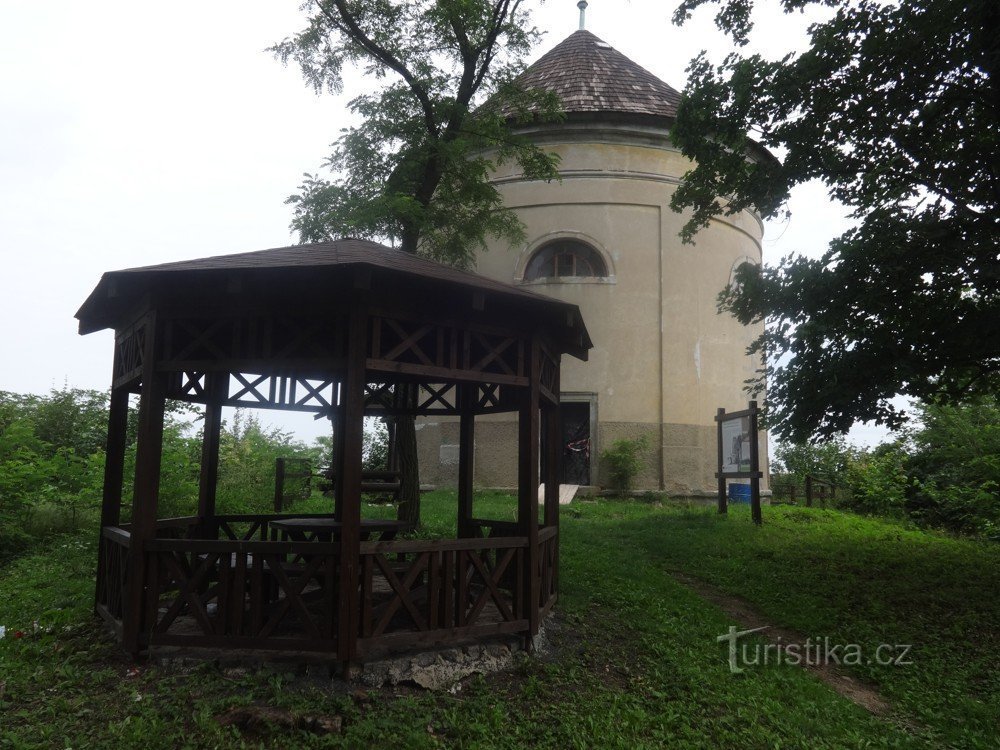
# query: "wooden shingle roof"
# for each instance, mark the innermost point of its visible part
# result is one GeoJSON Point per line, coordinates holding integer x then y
{"type": "Point", "coordinates": [291, 270]}
{"type": "Point", "coordinates": [319, 255]}
{"type": "Point", "coordinates": [590, 76]}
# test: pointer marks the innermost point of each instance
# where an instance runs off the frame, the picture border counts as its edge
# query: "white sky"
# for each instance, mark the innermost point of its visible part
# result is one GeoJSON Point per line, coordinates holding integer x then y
{"type": "Point", "coordinates": [136, 133]}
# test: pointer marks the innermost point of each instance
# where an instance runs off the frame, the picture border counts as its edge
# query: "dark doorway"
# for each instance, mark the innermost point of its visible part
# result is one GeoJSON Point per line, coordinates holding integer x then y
{"type": "Point", "coordinates": [575, 416]}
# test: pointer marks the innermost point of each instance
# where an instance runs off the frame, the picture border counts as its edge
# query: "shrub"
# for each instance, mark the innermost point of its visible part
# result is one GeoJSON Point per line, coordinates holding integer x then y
{"type": "Point", "coordinates": [954, 468]}
{"type": "Point", "coordinates": [877, 480]}
{"type": "Point", "coordinates": [624, 460]}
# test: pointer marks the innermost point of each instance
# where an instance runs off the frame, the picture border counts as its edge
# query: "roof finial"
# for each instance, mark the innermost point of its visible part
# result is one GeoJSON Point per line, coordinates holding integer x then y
{"type": "Point", "coordinates": [582, 5]}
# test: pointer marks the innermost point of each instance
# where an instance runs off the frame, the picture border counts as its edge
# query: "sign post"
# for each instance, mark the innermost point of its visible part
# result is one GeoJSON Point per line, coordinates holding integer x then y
{"type": "Point", "coordinates": [739, 454]}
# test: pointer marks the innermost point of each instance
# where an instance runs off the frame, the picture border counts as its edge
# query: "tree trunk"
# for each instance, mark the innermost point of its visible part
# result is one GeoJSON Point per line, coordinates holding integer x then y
{"type": "Point", "coordinates": [404, 453]}
{"type": "Point", "coordinates": [405, 456]}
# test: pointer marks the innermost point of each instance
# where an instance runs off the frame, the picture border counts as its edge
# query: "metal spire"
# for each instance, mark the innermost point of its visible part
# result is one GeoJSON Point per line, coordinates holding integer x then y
{"type": "Point", "coordinates": [582, 5]}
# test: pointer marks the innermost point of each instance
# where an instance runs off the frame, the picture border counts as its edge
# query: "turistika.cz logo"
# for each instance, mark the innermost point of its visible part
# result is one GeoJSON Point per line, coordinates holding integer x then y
{"type": "Point", "coordinates": [812, 652]}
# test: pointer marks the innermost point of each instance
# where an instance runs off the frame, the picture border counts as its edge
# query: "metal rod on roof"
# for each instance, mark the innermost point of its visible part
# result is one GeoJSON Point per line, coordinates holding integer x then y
{"type": "Point", "coordinates": [582, 5]}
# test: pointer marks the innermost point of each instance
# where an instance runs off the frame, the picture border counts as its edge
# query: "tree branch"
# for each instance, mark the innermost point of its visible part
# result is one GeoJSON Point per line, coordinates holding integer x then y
{"type": "Point", "coordinates": [348, 25]}
{"type": "Point", "coordinates": [502, 11]}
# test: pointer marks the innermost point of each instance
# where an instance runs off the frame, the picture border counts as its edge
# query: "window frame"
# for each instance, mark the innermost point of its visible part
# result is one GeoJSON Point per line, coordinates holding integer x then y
{"type": "Point", "coordinates": [587, 252]}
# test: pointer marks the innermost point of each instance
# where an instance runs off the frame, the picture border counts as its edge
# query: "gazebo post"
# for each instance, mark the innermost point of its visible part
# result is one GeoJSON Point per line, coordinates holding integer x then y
{"type": "Point", "coordinates": [337, 453]}
{"type": "Point", "coordinates": [527, 487]}
{"type": "Point", "coordinates": [550, 465]}
{"type": "Point", "coordinates": [216, 387]}
{"type": "Point", "coordinates": [466, 458]}
{"type": "Point", "coordinates": [148, 455]}
{"type": "Point", "coordinates": [114, 461]}
{"type": "Point", "coordinates": [552, 425]}
{"type": "Point", "coordinates": [349, 485]}
{"type": "Point", "coordinates": [114, 469]}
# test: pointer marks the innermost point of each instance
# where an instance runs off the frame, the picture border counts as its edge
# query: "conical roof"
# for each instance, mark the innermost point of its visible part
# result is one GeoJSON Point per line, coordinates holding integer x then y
{"type": "Point", "coordinates": [590, 76]}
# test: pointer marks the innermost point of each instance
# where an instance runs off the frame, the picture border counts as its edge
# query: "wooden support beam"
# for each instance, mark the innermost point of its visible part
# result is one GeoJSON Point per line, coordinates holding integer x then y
{"type": "Point", "coordinates": [349, 479]}
{"type": "Point", "coordinates": [114, 461]}
{"type": "Point", "coordinates": [114, 468]}
{"type": "Point", "coordinates": [466, 457]}
{"type": "Point", "coordinates": [551, 464]}
{"type": "Point", "coordinates": [527, 486]}
{"type": "Point", "coordinates": [146, 490]}
{"type": "Point", "coordinates": [553, 472]}
{"type": "Point", "coordinates": [337, 459]}
{"type": "Point", "coordinates": [217, 389]}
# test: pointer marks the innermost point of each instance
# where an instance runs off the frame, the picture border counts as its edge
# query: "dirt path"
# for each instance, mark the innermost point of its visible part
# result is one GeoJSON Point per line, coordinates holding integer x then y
{"type": "Point", "coordinates": [865, 695]}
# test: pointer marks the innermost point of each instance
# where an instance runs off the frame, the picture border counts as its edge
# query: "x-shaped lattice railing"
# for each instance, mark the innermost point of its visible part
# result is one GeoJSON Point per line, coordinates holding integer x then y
{"type": "Point", "coordinates": [192, 384]}
{"type": "Point", "coordinates": [293, 588]}
{"type": "Point", "coordinates": [200, 337]}
{"type": "Point", "coordinates": [489, 396]}
{"type": "Point", "coordinates": [409, 342]}
{"type": "Point", "coordinates": [493, 354]}
{"type": "Point", "coordinates": [403, 590]}
{"type": "Point", "coordinates": [490, 579]}
{"type": "Point", "coordinates": [437, 395]}
{"type": "Point", "coordinates": [188, 583]}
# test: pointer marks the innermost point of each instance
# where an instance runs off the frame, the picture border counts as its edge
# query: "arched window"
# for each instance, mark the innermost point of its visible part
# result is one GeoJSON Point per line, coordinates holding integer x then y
{"type": "Point", "coordinates": [563, 259]}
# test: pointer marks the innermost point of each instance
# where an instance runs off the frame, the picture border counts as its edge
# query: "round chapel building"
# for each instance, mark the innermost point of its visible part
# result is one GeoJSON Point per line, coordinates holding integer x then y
{"type": "Point", "coordinates": [604, 238]}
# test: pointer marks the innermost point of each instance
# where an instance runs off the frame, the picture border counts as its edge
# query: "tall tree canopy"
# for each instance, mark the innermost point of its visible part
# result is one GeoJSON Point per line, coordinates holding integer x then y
{"type": "Point", "coordinates": [895, 106]}
{"type": "Point", "coordinates": [416, 167]}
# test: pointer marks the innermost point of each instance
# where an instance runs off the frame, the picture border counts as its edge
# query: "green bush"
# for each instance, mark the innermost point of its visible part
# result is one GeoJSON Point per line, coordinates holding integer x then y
{"type": "Point", "coordinates": [954, 469]}
{"type": "Point", "coordinates": [624, 462]}
{"type": "Point", "coordinates": [247, 455]}
{"type": "Point", "coordinates": [877, 481]}
{"type": "Point", "coordinates": [14, 540]}
{"type": "Point", "coordinates": [943, 472]}
{"type": "Point", "coordinates": [827, 460]}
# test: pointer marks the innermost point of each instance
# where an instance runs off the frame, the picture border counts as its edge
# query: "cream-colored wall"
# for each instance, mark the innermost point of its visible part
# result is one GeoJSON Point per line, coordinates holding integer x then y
{"type": "Point", "coordinates": [664, 359]}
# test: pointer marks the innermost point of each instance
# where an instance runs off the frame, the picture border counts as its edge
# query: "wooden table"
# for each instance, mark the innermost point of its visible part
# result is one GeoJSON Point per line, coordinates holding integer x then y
{"type": "Point", "coordinates": [328, 529]}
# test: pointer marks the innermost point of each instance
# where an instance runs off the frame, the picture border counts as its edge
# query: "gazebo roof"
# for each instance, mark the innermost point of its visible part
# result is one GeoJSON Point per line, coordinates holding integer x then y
{"type": "Point", "coordinates": [118, 292]}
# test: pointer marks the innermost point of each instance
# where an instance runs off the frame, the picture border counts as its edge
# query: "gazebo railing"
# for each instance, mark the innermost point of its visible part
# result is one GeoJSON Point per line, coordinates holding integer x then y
{"type": "Point", "coordinates": [425, 592]}
{"type": "Point", "coordinates": [242, 594]}
{"type": "Point", "coordinates": [113, 553]}
{"type": "Point", "coordinates": [548, 551]}
{"type": "Point", "coordinates": [254, 589]}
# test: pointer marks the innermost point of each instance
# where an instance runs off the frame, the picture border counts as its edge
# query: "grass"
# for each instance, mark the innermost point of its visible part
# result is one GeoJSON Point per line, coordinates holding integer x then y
{"type": "Point", "coordinates": [636, 664]}
{"type": "Point", "coordinates": [866, 581]}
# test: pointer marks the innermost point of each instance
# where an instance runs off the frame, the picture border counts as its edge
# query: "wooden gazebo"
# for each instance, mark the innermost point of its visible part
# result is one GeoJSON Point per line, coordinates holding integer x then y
{"type": "Point", "coordinates": [342, 329]}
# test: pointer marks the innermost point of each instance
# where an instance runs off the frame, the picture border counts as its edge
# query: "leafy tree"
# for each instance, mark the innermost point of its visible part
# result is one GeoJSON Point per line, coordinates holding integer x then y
{"type": "Point", "coordinates": [51, 450]}
{"type": "Point", "coordinates": [73, 418]}
{"type": "Point", "coordinates": [828, 460]}
{"type": "Point", "coordinates": [375, 449]}
{"type": "Point", "coordinates": [954, 469]}
{"type": "Point", "coordinates": [247, 453]}
{"type": "Point", "coordinates": [417, 166]}
{"type": "Point", "coordinates": [51, 456]}
{"type": "Point", "coordinates": [895, 106]}
{"type": "Point", "coordinates": [24, 470]}
{"type": "Point", "coordinates": [69, 418]}
{"type": "Point", "coordinates": [877, 480]}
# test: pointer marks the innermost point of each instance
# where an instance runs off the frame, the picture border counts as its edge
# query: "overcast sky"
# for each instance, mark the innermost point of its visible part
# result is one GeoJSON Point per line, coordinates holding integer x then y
{"type": "Point", "coordinates": [135, 133]}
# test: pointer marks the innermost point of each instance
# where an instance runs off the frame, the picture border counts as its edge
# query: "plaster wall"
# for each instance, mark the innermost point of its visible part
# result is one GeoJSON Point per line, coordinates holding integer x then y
{"type": "Point", "coordinates": [664, 358]}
